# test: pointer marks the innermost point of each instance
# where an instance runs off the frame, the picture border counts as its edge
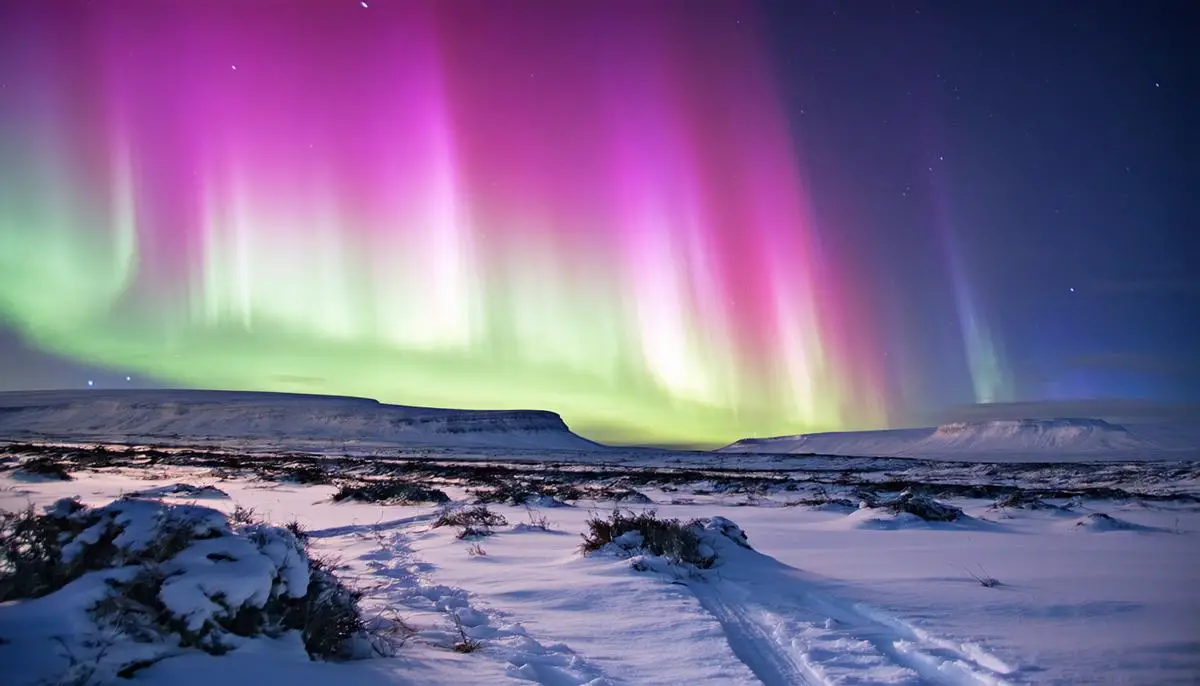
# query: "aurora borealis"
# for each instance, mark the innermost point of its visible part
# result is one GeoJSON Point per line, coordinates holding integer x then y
{"type": "Point", "coordinates": [598, 208]}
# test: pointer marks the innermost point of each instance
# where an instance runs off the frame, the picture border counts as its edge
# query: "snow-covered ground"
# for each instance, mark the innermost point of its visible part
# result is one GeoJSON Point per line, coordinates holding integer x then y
{"type": "Point", "coordinates": [829, 593]}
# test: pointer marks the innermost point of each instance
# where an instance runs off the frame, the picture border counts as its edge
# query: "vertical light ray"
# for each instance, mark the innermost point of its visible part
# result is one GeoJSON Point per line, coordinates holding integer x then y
{"type": "Point", "coordinates": [989, 377]}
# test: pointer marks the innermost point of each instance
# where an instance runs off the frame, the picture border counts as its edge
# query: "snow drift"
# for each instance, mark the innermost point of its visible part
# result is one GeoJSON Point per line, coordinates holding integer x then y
{"type": "Point", "coordinates": [1009, 440]}
{"type": "Point", "coordinates": [293, 419]}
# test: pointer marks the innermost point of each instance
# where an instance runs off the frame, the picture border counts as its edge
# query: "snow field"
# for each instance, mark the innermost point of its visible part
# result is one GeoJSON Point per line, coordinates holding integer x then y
{"type": "Point", "coordinates": [827, 596]}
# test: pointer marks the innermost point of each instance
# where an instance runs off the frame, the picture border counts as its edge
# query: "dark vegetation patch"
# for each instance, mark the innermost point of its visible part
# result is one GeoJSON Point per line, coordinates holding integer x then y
{"type": "Point", "coordinates": [391, 492]}
{"type": "Point", "coordinates": [822, 502]}
{"type": "Point", "coordinates": [1023, 500]}
{"type": "Point", "coordinates": [304, 473]}
{"type": "Point", "coordinates": [45, 468]}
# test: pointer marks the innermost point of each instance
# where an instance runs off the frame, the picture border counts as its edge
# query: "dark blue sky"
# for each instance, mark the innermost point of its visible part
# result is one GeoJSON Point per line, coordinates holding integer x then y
{"type": "Point", "coordinates": [1054, 136]}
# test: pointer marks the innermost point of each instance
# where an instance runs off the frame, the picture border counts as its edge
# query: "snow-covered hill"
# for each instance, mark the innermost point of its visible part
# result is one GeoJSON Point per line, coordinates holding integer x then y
{"type": "Point", "coordinates": [1004, 440]}
{"type": "Point", "coordinates": [171, 416]}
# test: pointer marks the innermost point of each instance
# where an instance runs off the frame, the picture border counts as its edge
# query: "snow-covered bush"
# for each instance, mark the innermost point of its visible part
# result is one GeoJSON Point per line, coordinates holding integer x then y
{"type": "Point", "coordinates": [645, 533]}
{"type": "Point", "coordinates": [180, 574]}
{"type": "Point", "coordinates": [42, 553]}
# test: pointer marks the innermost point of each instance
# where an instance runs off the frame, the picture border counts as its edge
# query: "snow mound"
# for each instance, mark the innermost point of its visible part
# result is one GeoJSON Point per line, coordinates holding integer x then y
{"type": "Point", "coordinates": [1009, 440]}
{"type": "Point", "coordinates": [290, 419]}
{"type": "Point", "coordinates": [878, 518]}
{"type": "Point", "coordinates": [885, 519]}
{"type": "Point", "coordinates": [1100, 522]}
{"type": "Point", "coordinates": [924, 507]}
{"type": "Point", "coordinates": [907, 511]}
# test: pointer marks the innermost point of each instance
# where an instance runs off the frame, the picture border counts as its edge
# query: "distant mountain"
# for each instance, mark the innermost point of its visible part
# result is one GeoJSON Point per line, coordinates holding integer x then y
{"type": "Point", "coordinates": [295, 420]}
{"type": "Point", "coordinates": [1013, 440]}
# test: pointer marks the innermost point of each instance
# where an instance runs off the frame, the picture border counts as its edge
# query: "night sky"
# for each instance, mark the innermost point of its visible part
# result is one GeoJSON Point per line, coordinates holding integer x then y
{"type": "Point", "coordinates": [671, 222]}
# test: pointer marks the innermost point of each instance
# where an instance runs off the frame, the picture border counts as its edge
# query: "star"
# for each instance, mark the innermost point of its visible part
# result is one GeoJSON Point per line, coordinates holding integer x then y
{"type": "Point", "coordinates": [1157, 84]}
{"type": "Point", "coordinates": [1072, 289]}
{"type": "Point", "coordinates": [364, 4]}
{"type": "Point", "coordinates": [91, 383]}
{"type": "Point", "coordinates": [234, 67]}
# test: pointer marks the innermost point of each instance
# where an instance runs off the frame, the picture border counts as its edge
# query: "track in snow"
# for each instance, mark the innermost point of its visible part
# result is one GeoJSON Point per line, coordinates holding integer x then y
{"type": "Point", "coordinates": [400, 580]}
{"type": "Point", "coordinates": [789, 632]}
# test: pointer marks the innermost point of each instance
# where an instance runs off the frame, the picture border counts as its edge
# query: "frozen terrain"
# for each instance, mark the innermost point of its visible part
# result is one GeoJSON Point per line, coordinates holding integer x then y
{"type": "Point", "coordinates": [842, 582]}
{"type": "Point", "coordinates": [1005, 440]}
{"type": "Point", "coordinates": [983, 552]}
{"type": "Point", "coordinates": [269, 419]}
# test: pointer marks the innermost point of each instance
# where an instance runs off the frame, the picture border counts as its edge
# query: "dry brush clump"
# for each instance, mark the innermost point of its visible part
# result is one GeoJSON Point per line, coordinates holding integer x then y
{"type": "Point", "coordinates": [537, 521]}
{"type": "Point", "coordinates": [671, 539]}
{"type": "Point", "coordinates": [982, 577]}
{"type": "Point", "coordinates": [472, 522]}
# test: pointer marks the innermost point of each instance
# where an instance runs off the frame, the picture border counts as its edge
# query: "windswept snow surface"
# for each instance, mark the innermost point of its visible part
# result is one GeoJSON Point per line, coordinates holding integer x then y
{"type": "Point", "coordinates": [826, 595]}
{"type": "Point", "coordinates": [293, 421]}
{"type": "Point", "coordinates": [1018, 440]}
